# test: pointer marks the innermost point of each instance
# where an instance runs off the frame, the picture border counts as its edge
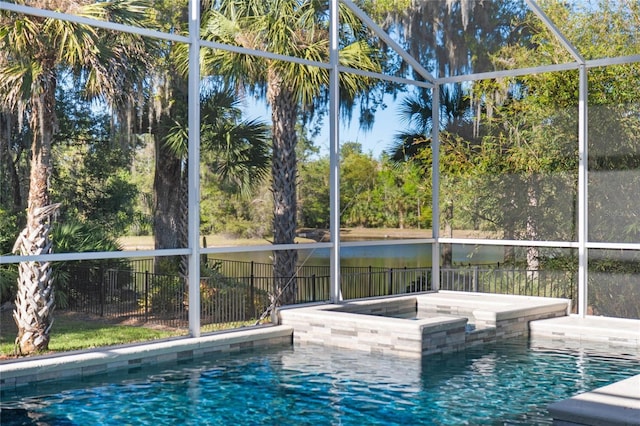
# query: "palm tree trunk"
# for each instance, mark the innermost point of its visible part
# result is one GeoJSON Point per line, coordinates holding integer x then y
{"type": "Point", "coordinates": [166, 202]}
{"type": "Point", "coordinates": [35, 296]}
{"type": "Point", "coordinates": [168, 174]}
{"type": "Point", "coordinates": [35, 299]}
{"type": "Point", "coordinates": [284, 175]}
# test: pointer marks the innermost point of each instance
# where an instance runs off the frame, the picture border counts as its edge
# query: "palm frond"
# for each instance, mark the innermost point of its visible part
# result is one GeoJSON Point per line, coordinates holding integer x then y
{"type": "Point", "coordinates": [240, 152]}
{"type": "Point", "coordinates": [177, 140]}
{"type": "Point", "coordinates": [407, 145]}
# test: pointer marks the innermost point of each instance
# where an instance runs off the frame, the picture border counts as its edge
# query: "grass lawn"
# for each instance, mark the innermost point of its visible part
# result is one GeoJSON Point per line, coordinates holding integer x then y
{"type": "Point", "coordinates": [73, 332]}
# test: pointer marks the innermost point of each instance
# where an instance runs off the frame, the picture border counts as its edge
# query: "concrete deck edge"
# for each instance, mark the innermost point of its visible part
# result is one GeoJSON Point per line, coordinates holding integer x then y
{"type": "Point", "coordinates": [84, 363]}
{"type": "Point", "coordinates": [613, 331]}
{"type": "Point", "coordinates": [615, 404]}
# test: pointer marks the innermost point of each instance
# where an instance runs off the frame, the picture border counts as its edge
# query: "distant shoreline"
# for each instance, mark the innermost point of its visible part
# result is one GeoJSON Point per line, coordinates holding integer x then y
{"type": "Point", "coordinates": [305, 235]}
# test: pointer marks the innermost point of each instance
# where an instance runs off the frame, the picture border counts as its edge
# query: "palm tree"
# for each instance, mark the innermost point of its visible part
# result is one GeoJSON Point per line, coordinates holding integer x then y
{"type": "Point", "coordinates": [416, 111]}
{"type": "Point", "coordinates": [410, 145]}
{"type": "Point", "coordinates": [34, 51]}
{"type": "Point", "coordinates": [296, 29]}
{"type": "Point", "coordinates": [238, 149]}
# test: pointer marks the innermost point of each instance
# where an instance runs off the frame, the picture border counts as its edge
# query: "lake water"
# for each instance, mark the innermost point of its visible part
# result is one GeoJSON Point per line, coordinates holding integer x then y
{"type": "Point", "coordinates": [388, 256]}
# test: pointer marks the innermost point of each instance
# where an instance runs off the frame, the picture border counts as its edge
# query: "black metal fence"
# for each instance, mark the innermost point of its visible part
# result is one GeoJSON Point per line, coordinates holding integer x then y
{"type": "Point", "coordinates": [504, 280]}
{"type": "Point", "coordinates": [234, 292]}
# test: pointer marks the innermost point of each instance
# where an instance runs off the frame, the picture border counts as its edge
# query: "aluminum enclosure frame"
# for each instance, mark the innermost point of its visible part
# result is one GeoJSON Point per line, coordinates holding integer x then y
{"type": "Point", "coordinates": [194, 250]}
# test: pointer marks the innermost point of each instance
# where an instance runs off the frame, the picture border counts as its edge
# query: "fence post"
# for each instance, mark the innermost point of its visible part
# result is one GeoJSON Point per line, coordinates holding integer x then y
{"type": "Point", "coordinates": [102, 291]}
{"type": "Point", "coordinates": [146, 296]}
{"type": "Point", "coordinates": [475, 279]}
{"type": "Point", "coordinates": [390, 290]}
{"type": "Point", "coordinates": [252, 305]}
{"type": "Point", "coordinates": [313, 287]}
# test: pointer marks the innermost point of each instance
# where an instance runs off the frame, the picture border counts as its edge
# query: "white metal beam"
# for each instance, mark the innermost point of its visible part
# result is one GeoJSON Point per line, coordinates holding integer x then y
{"type": "Point", "coordinates": [509, 73]}
{"type": "Point", "coordinates": [556, 32]}
{"type": "Point", "coordinates": [262, 54]}
{"type": "Point", "coordinates": [334, 154]}
{"type": "Point", "coordinates": [583, 205]}
{"type": "Point", "coordinates": [620, 60]}
{"type": "Point", "coordinates": [194, 168]}
{"type": "Point", "coordinates": [44, 13]}
{"type": "Point", "coordinates": [417, 67]}
{"type": "Point", "coordinates": [513, 243]}
{"type": "Point", "coordinates": [385, 77]}
{"type": "Point", "coordinates": [94, 255]}
{"type": "Point", "coordinates": [435, 187]}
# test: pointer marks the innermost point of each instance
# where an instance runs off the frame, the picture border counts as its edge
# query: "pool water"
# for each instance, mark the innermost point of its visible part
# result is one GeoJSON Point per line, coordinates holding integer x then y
{"type": "Point", "coordinates": [504, 383]}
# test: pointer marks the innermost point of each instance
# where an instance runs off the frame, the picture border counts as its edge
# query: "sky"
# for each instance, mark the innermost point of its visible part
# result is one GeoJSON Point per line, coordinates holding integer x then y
{"type": "Point", "coordinates": [373, 142]}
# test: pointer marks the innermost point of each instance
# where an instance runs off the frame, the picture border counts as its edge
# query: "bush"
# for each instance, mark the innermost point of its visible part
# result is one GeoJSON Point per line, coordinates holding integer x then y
{"type": "Point", "coordinates": [167, 296]}
{"type": "Point", "coordinates": [77, 280]}
{"type": "Point", "coordinates": [8, 231]}
{"type": "Point", "coordinates": [8, 283]}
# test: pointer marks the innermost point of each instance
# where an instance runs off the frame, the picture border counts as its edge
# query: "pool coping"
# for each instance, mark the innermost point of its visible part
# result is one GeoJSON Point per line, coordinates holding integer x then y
{"type": "Point", "coordinates": [613, 332]}
{"type": "Point", "coordinates": [26, 371]}
{"type": "Point", "coordinates": [419, 324]}
{"type": "Point", "coordinates": [612, 405]}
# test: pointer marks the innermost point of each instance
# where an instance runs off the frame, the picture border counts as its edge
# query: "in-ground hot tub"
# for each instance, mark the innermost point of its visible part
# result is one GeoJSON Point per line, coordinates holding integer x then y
{"type": "Point", "coordinates": [422, 324]}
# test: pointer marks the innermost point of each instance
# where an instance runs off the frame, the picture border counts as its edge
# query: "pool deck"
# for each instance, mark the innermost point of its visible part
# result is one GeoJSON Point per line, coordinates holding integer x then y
{"type": "Point", "coordinates": [32, 370]}
{"type": "Point", "coordinates": [573, 330]}
{"type": "Point", "coordinates": [612, 405]}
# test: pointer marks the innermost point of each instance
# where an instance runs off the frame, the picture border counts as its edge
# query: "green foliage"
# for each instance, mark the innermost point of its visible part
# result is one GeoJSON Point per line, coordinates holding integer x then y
{"type": "Point", "coordinates": [167, 294]}
{"type": "Point", "coordinates": [224, 211]}
{"type": "Point", "coordinates": [93, 182]}
{"type": "Point", "coordinates": [613, 283]}
{"type": "Point", "coordinates": [142, 172]}
{"type": "Point", "coordinates": [8, 283]}
{"type": "Point", "coordinates": [78, 237]}
{"type": "Point", "coordinates": [358, 178]}
{"type": "Point", "coordinates": [314, 193]}
{"type": "Point", "coordinates": [374, 193]}
{"type": "Point", "coordinates": [8, 231]}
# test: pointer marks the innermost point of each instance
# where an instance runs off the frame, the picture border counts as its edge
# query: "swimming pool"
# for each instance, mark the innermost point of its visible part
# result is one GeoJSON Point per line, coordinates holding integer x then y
{"type": "Point", "coordinates": [503, 383]}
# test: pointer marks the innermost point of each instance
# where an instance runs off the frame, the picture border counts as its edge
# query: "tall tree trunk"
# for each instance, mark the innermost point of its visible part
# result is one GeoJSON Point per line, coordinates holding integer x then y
{"type": "Point", "coordinates": [168, 174]}
{"type": "Point", "coordinates": [183, 222]}
{"type": "Point", "coordinates": [510, 210]}
{"type": "Point", "coordinates": [533, 253]}
{"type": "Point", "coordinates": [35, 298]}
{"type": "Point", "coordinates": [8, 165]}
{"type": "Point", "coordinates": [167, 200]}
{"type": "Point", "coordinates": [284, 174]}
{"type": "Point", "coordinates": [447, 249]}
